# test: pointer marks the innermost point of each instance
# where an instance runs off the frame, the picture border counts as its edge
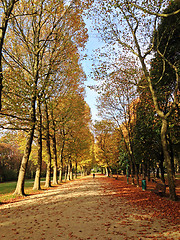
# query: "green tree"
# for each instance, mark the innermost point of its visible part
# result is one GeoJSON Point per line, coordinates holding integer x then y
{"type": "Point", "coordinates": [130, 26]}
{"type": "Point", "coordinates": [146, 138]}
{"type": "Point", "coordinates": [163, 76]}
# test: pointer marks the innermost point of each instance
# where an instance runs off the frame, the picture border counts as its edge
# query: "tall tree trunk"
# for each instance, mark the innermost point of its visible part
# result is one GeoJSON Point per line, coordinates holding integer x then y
{"type": "Point", "coordinates": [157, 172]}
{"type": "Point", "coordinates": [82, 171]}
{"type": "Point", "coordinates": [37, 185]}
{"type": "Point", "coordinates": [71, 171]}
{"type": "Point", "coordinates": [22, 172]}
{"type": "Point", "coordinates": [107, 172]}
{"type": "Point", "coordinates": [76, 170]}
{"type": "Point", "coordinates": [68, 171]}
{"type": "Point", "coordinates": [135, 169]}
{"type": "Point", "coordinates": [65, 175]}
{"type": "Point", "coordinates": [162, 167]}
{"type": "Point", "coordinates": [55, 173]}
{"type": "Point", "coordinates": [154, 173]}
{"type": "Point", "coordinates": [27, 151]}
{"type": "Point", "coordinates": [48, 172]}
{"type": "Point", "coordinates": [55, 177]}
{"type": "Point", "coordinates": [85, 171]}
{"type": "Point", "coordinates": [168, 160]}
{"type": "Point", "coordinates": [137, 173]}
{"type": "Point", "coordinates": [61, 160]}
{"type": "Point", "coordinates": [60, 173]}
{"type": "Point", "coordinates": [161, 115]}
{"type": "Point", "coordinates": [143, 169]}
{"type": "Point", "coordinates": [132, 172]}
{"type": "Point", "coordinates": [61, 170]}
{"type": "Point", "coordinates": [171, 155]}
{"type": "Point", "coordinates": [148, 171]}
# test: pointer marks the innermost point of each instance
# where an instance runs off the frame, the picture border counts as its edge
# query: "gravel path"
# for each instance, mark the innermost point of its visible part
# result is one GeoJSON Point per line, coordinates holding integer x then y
{"type": "Point", "coordinates": [80, 209]}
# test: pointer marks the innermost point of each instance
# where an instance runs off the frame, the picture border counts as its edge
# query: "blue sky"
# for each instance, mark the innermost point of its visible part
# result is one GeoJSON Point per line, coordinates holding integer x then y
{"type": "Point", "coordinates": [92, 44]}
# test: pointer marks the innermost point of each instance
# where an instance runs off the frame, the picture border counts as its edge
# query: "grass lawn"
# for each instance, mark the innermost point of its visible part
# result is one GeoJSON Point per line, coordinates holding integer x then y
{"type": "Point", "coordinates": [7, 189]}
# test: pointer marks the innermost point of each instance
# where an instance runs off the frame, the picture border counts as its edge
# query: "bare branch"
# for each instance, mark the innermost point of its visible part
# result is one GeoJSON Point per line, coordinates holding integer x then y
{"type": "Point", "coordinates": [155, 13]}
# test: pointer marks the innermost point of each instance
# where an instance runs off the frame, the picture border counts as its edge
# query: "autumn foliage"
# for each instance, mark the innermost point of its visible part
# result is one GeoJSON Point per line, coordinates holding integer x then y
{"type": "Point", "coordinates": [162, 207]}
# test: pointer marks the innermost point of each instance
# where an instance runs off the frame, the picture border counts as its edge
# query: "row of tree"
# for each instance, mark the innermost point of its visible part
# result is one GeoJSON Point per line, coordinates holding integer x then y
{"type": "Point", "coordinates": [71, 145]}
{"type": "Point", "coordinates": [43, 91]}
{"type": "Point", "coordinates": [138, 85]}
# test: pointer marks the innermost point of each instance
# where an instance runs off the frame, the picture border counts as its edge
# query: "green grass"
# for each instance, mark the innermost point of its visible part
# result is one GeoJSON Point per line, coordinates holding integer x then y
{"type": "Point", "coordinates": [9, 187]}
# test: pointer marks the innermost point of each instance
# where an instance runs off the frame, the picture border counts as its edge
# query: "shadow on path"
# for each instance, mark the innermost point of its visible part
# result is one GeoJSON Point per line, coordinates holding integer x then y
{"type": "Point", "coordinates": [83, 209]}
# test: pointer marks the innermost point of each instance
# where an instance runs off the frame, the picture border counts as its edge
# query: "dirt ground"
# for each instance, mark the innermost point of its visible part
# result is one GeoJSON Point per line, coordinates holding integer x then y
{"type": "Point", "coordinates": [81, 209]}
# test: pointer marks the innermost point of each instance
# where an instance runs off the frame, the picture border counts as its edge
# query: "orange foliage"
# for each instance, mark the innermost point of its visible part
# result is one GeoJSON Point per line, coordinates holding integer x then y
{"type": "Point", "coordinates": [162, 207]}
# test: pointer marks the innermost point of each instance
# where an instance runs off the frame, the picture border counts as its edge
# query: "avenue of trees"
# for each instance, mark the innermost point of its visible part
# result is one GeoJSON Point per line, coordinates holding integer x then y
{"type": "Point", "coordinates": [138, 86]}
{"type": "Point", "coordinates": [43, 90]}
{"type": "Point", "coordinates": [45, 120]}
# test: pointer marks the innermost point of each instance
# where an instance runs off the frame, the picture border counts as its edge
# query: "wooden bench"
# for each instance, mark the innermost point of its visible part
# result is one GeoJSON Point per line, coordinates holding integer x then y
{"type": "Point", "coordinates": [160, 189]}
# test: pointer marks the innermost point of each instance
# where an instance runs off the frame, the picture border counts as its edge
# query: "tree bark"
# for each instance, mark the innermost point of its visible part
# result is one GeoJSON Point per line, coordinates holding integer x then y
{"type": "Point", "coordinates": [61, 170]}
{"type": "Point", "coordinates": [107, 172]}
{"type": "Point", "coordinates": [132, 172]}
{"type": "Point", "coordinates": [68, 171]}
{"type": "Point", "coordinates": [85, 171]}
{"type": "Point", "coordinates": [168, 160]}
{"type": "Point", "coordinates": [135, 169]}
{"type": "Point", "coordinates": [71, 171]}
{"type": "Point", "coordinates": [22, 172]}
{"type": "Point", "coordinates": [148, 171]}
{"type": "Point", "coordinates": [157, 172]}
{"type": "Point", "coordinates": [162, 167]}
{"type": "Point", "coordinates": [48, 172]}
{"type": "Point", "coordinates": [163, 136]}
{"type": "Point", "coordinates": [37, 185]}
{"type": "Point", "coordinates": [65, 176]}
{"type": "Point", "coordinates": [137, 174]}
{"type": "Point", "coordinates": [60, 174]}
{"type": "Point", "coordinates": [171, 155]}
{"type": "Point", "coordinates": [61, 160]}
{"type": "Point", "coordinates": [76, 170]}
{"type": "Point", "coordinates": [55, 177]}
{"type": "Point", "coordinates": [82, 171]}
